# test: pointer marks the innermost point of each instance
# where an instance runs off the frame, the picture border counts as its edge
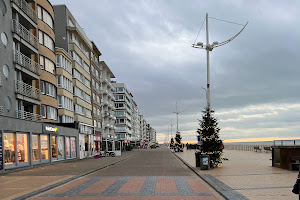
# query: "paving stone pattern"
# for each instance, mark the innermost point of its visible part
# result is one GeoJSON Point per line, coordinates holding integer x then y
{"type": "Point", "coordinates": [111, 186]}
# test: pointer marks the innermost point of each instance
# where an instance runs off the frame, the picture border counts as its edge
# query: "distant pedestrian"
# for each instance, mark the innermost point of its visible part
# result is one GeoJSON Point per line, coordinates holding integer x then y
{"type": "Point", "coordinates": [187, 145]}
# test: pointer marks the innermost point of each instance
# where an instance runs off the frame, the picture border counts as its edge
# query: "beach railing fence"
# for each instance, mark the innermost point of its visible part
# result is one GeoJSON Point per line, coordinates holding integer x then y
{"type": "Point", "coordinates": [245, 147]}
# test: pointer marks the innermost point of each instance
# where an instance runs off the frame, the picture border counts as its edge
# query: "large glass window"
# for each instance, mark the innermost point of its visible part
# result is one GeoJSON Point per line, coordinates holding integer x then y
{"type": "Point", "coordinates": [9, 148]}
{"type": "Point", "coordinates": [44, 147]}
{"type": "Point", "coordinates": [45, 40]}
{"type": "Point", "coordinates": [61, 147]}
{"type": "Point", "coordinates": [68, 148]}
{"type": "Point", "coordinates": [73, 147]}
{"type": "Point", "coordinates": [54, 146]}
{"type": "Point", "coordinates": [44, 16]}
{"type": "Point", "coordinates": [35, 147]}
{"type": "Point", "coordinates": [51, 113]}
{"type": "Point", "coordinates": [22, 142]}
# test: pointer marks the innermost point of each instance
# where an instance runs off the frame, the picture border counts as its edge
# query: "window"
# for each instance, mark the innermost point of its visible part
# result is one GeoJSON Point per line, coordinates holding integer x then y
{"type": "Point", "coordinates": [47, 64]}
{"type": "Point", "coordinates": [73, 147]}
{"type": "Point", "coordinates": [45, 40]}
{"type": "Point", "coordinates": [95, 123]}
{"type": "Point", "coordinates": [54, 146]}
{"type": "Point", "coordinates": [9, 148]}
{"type": "Point", "coordinates": [44, 147]}
{"type": "Point", "coordinates": [63, 82]}
{"type": "Point", "coordinates": [65, 119]}
{"type": "Point", "coordinates": [43, 111]}
{"type": "Point", "coordinates": [94, 96]}
{"type": "Point", "coordinates": [71, 23]}
{"type": "Point", "coordinates": [88, 113]}
{"type": "Point", "coordinates": [61, 147]}
{"type": "Point", "coordinates": [51, 113]}
{"type": "Point", "coordinates": [98, 99]}
{"type": "Point", "coordinates": [45, 16]}
{"type": "Point", "coordinates": [35, 147]}
{"type": "Point", "coordinates": [78, 109]}
{"type": "Point", "coordinates": [86, 67]}
{"type": "Point", "coordinates": [62, 62]}
{"type": "Point", "coordinates": [76, 57]}
{"type": "Point", "coordinates": [50, 90]}
{"type": "Point", "coordinates": [65, 102]}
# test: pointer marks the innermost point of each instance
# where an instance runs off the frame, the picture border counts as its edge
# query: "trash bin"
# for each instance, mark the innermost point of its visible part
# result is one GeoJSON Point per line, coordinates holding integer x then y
{"type": "Point", "coordinates": [197, 158]}
{"type": "Point", "coordinates": [204, 162]}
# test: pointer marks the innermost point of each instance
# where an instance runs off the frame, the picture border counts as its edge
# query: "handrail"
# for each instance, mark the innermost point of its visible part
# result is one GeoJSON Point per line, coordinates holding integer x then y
{"type": "Point", "coordinates": [30, 12]}
{"type": "Point", "coordinates": [20, 114]}
{"type": "Point", "coordinates": [20, 30]}
{"type": "Point", "coordinates": [27, 90]}
{"type": "Point", "coordinates": [26, 62]}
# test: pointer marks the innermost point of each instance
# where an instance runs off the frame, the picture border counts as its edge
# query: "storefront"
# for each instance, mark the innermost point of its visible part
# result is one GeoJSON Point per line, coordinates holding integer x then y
{"type": "Point", "coordinates": [62, 142]}
{"type": "Point", "coordinates": [97, 140]}
{"type": "Point", "coordinates": [86, 140]}
{"type": "Point", "coordinates": [24, 144]}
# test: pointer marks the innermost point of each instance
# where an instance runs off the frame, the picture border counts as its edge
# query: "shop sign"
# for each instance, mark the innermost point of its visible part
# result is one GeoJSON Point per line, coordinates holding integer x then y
{"type": "Point", "coordinates": [1, 152]}
{"type": "Point", "coordinates": [51, 129]}
{"type": "Point", "coordinates": [86, 129]}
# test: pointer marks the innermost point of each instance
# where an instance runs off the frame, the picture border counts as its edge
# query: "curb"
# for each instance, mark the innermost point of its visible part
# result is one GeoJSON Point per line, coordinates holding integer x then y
{"type": "Point", "coordinates": [37, 192]}
{"type": "Point", "coordinates": [224, 190]}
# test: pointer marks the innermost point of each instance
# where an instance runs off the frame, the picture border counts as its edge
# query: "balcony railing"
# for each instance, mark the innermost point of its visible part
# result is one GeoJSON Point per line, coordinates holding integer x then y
{"type": "Point", "coordinates": [27, 90]}
{"type": "Point", "coordinates": [1, 111]}
{"type": "Point", "coordinates": [23, 5]}
{"type": "Point", "coordinates": [25, 34]}
{"type": "Point", "coordinates": [1, 80]}
{"type": "Point", "coordinates": [26, 62]}
{"type": "Point", "coordinates": [20, 114]}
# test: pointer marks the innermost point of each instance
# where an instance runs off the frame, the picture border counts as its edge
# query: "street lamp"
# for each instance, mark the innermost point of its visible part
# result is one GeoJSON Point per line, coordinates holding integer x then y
{"type": "Point", "coordinates": [209, 47]}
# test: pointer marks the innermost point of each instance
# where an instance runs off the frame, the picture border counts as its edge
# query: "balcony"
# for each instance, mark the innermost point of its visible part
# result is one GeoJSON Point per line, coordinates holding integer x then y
{"type": "Point", "coordinates": [1, 80]}
{"type": "Point", "coordinates": [1, 111]}
{"type": "Point", "coordinates": [28, 91]}
{"type": "Point", "coordinates": [25, 34]}
{"type": "Point", "coordinates": [104, 80]}
{"type": "Point", "coordinates": [20, 114]}
{"type": "Point", "coordinates": [27, 63]}
{"type": "Point", "coordinates": [121, 130]}
{"type": "Point", "coordinates": [27, 9]}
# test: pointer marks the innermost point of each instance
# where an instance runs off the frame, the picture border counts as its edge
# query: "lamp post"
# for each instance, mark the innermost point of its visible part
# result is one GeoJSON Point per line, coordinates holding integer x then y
{"type": "Point", "coordinates": [209, 47]}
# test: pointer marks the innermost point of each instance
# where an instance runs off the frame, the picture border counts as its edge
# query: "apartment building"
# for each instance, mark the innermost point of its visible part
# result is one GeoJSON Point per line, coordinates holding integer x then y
{"type": "Point", "coordinates": [26, 61]}
{"type": "Point", "coordinates": [64, 86]}
{"type": "Point", "coordinates": [123, 113]}
{"type": "Point", "coordinates": [108, 109]}
{"type": "Point", "coordinates": [48, 82]}
{"type": "Point", "coordinates": [152, 134]}
{"type": "Point", "coordinates": [136, 135]}
{"type": "Point", "coordinates": [71, 37]}
{"type": "Point", "coordinates": [96, 95]}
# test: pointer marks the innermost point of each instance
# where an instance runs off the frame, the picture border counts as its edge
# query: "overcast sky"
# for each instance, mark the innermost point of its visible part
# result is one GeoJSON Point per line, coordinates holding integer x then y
{"type": "Point", "coordinates": [254, 79]}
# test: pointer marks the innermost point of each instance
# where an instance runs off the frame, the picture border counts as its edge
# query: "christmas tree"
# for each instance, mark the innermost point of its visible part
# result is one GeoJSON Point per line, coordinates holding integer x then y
{"type": "Point", "coordinates": [178, 142]}
{"type": "Point", "coordinates": [172, 143]}
{"type": "Point", "coordinates": [209, 134]}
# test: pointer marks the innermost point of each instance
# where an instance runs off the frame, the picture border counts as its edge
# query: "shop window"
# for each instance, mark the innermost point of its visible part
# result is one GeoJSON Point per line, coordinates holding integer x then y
{"type": "Point", "coordinates": [68, 154]}
{"type": "Point", "coordinates": [73, 147]}
{"type": "Point", "coordinates": [44, 147]}
{"type": "Point", "coordinates": [9, 148]}
{"type": "Point", "coordinates": [54, 147]}
{"type": "Point", "coordinates": [61, 147]}
{"type": "Point", "coordinates": [35, 147]}
{"type": "Point", "coordinates": [22, 147]}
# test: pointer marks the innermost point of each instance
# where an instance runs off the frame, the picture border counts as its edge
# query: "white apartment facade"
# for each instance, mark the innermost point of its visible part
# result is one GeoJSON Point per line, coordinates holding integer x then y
{"type": "Point", "coordinates": [123, 113]}
{"type": "Point", "coordinates": [108, 109]}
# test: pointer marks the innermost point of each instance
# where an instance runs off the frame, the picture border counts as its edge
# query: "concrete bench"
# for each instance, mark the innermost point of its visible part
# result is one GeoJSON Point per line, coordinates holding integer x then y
{"type": "Point", "coordinates": [257, 149]}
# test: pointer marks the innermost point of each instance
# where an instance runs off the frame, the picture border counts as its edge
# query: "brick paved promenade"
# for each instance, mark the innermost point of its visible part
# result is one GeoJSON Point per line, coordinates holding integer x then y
{"type": "Point", "coordinates": [148, 174]}
{"type": "Point", "coordinates": [249, 174]}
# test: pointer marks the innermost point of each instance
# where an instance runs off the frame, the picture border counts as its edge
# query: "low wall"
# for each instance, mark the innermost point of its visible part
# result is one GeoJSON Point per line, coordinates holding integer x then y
{"type": "Point", "coordinates": [244, 147]}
